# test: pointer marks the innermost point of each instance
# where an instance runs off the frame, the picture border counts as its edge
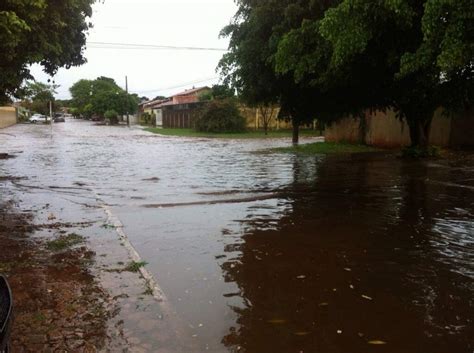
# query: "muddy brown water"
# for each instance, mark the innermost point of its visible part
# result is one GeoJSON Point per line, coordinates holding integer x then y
{"type": "Point", "coordinates": [263, 252]}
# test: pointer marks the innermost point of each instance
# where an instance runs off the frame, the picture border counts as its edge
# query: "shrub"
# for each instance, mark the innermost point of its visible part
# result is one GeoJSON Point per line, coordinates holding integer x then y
{"type": "Point", "coordinates": [220, 116]}
{"type": "Point", "coordinates": [418, 152]}
{"type": "Point", "coordinates": [111, 116]}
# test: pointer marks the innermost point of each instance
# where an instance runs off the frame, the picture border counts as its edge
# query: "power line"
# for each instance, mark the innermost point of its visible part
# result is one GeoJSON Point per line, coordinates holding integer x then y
{"type": "Point", "coordinates": [178, 86]}
{"type": "Point", "coordinates": [133, 46]}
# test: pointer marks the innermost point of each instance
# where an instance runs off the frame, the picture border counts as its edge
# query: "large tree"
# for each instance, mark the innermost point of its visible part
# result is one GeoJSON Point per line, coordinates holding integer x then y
{"type": "Point", "coordinates": [410, 56]}
{"type": "Point", "coordinates": [249, 66]}
{"type": "Point", "coordinates": [49, 32]}
{"type": "Point", "coordinates": [37, 97]}
{"type": "Point", "coordinates": [97, 96]}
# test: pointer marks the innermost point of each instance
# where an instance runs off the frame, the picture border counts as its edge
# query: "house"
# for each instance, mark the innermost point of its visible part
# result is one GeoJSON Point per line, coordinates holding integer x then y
{"type": "Point", "coordinates": [190, 96]}
{"type": "Point", "coordinates": [177, 110]}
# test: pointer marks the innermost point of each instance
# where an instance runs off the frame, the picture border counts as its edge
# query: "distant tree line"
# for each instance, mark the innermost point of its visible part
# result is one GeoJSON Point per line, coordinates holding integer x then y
{"type": "Point", "coordinates": [327, 59]}
{"type": "Point", "coordinates": [100, 96]}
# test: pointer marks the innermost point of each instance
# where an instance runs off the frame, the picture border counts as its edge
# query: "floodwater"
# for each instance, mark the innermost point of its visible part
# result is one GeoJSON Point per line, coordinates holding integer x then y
{"type": "Point", "coordinates": [264, 252]}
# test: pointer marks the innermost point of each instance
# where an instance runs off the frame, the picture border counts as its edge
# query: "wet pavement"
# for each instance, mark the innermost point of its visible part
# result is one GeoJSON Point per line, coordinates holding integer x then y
{"type": "Point", "coordinates": [252, 251]}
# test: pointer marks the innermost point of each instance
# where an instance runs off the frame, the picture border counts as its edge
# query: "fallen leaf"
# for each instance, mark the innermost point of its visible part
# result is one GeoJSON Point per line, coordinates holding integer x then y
{"type": "Point", "coordinates": [301, 277]}
{"type": "Point", "coordinates": [376, 342]}
{"type": "Point", "coordinates": [276, 321]}
{"type": "Point", "coordinates": [302, 333]}
{"type": "Point", "coordinates": [366, 297]}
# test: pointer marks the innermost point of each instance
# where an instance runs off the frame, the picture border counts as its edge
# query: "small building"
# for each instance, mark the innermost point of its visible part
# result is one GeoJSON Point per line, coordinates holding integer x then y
{"type": "Point", "coordinates": [190, 96]}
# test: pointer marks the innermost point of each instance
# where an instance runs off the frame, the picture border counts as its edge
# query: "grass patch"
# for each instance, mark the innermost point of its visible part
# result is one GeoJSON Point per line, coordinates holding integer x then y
{"type": "Point", "coordinates": [327, 148]}
{"type": "Point", "coordinates": [252, 134]}
{"type": "Point", "coordinates": [135, 266]}
{"type": "Point", "coordinates": [39, 317]}
{"type": "Point", "coordinates": [64, 242]}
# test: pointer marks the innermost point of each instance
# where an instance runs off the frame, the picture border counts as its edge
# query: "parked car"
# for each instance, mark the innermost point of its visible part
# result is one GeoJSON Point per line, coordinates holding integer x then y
{"type": "Point", "coordinates": [38, 118]}
{"type": "Point", "coordinates": [59, 119]}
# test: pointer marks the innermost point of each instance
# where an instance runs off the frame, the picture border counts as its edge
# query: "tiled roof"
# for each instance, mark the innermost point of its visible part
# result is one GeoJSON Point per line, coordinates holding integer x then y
{"type": "Point", "coordinates": [190, 91]}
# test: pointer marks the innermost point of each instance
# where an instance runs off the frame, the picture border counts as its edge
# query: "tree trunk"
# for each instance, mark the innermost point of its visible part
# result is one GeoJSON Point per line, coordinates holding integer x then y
{"type": "Point", "coordinates": [265, 128]}
{"type": "Point", "coordinates": [296, 132]}
{"type": "Point", "coordinates": [420, 132]}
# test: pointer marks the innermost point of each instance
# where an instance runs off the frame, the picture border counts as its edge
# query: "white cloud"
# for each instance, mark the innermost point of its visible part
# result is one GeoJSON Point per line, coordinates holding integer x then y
{"type": "Point", "coordinates": [159, 22]}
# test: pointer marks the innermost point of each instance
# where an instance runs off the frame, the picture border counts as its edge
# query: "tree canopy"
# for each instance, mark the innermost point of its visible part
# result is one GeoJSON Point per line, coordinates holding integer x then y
{"type": "Point", "coordinates": [37, 96]}
{"type": "Point", "coordinates": [49, 32]}
{"type": "Point", "coordinates": [331, 58]}
{"type": "Point", "coordinates": [95, 97]}
{"type": "Point", "coordinates": [256, 69]}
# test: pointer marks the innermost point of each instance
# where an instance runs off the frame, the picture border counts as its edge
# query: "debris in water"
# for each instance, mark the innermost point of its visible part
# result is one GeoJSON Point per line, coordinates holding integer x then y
{"type": "Point", "coordinates": [301, 277]}
{"type": "Point", "coordinates": [302, 333]}
{"type": "Point", "coordinates": [379, 342]}
{"type": "Point", "coordinates": [366, 297]}
{"type": "Point", "coordinates": [276, 321]}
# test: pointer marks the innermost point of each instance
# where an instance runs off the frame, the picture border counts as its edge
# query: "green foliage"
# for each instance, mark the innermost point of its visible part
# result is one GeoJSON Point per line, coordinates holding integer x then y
{"type": "Point", "coordinates": [327, 148]}
{"type": "Point", "coordinates": [205, 96]}
{"type": "Point", "coordinates": [149, 119]}
{"type": "Point", "coordinates": [48, 32]}
{"type": "Point", "coordinates": [111, 115]}
{"type": "Point", "coordinates": [97, 96]}
{"type": "Point", "coordinates": [135, 266]}
{"type": "Point", "coordinates": [409, 56]}
{"type": "Point", "coordinates": [264, 75]}
{"type": "Point", "coordinates": [417, 152]}
{"type": "Point", "coordinates": [217, 92]}
{"type": "Point", "coordinates": [37, 95]}
{"type": "Point", "coordinates": [220, 116]}
{"type": "Point", "coordinates": [65, 242]}
{"type": "Point", "coordinates": [222, 92]}
{"type": "Point", "coordinates": [247, 134]}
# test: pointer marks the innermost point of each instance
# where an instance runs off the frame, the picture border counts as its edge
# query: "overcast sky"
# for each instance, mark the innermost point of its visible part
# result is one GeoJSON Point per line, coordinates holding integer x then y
{"type": "Point", "coordinates": [152, 72]}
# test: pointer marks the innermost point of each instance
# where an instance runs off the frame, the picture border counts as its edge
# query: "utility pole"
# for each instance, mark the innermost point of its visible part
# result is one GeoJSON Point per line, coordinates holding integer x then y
{"type": "Point", "coordinates": [51, 116]}
{"type": "Point", "coordinates": [126, 107]}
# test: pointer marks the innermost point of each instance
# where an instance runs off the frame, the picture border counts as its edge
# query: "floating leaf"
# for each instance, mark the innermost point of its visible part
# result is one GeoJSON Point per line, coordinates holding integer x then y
{"type": "Point", "coordinates": [376, 342]}
{"type": "Point", "coordinates": [276, 321]}
{"type": "Point", "coordinates": [302, 333]}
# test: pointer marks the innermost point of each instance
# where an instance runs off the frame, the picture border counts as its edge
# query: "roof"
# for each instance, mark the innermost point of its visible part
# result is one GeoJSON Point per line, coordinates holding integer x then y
{"type": "Point", "coordinates": [191, 91]}
{"type": "Point", "coordinates": [156, 102]}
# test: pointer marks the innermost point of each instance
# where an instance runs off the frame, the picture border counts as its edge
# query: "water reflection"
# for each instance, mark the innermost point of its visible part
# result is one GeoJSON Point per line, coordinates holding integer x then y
{"type": "Point", "coordinates": [366, 251]}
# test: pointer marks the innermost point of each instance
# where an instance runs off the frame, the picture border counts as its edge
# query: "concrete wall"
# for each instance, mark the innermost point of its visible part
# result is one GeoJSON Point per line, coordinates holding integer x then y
{"type": "Point", "coordinates": [344, 130]}
{"type": "Point", "coordinates": [462, 129]}
{"type": "Point", "coordinates": [254, 119]}
{"type": "Point", "coordinates": [7, 117]}
{"type": "Point", "coordinates": [384, 129]}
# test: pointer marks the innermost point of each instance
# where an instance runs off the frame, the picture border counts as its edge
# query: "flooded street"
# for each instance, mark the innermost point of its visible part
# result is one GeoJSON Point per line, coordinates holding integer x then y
{"type": "Point", "coordinates": [264, 252]}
